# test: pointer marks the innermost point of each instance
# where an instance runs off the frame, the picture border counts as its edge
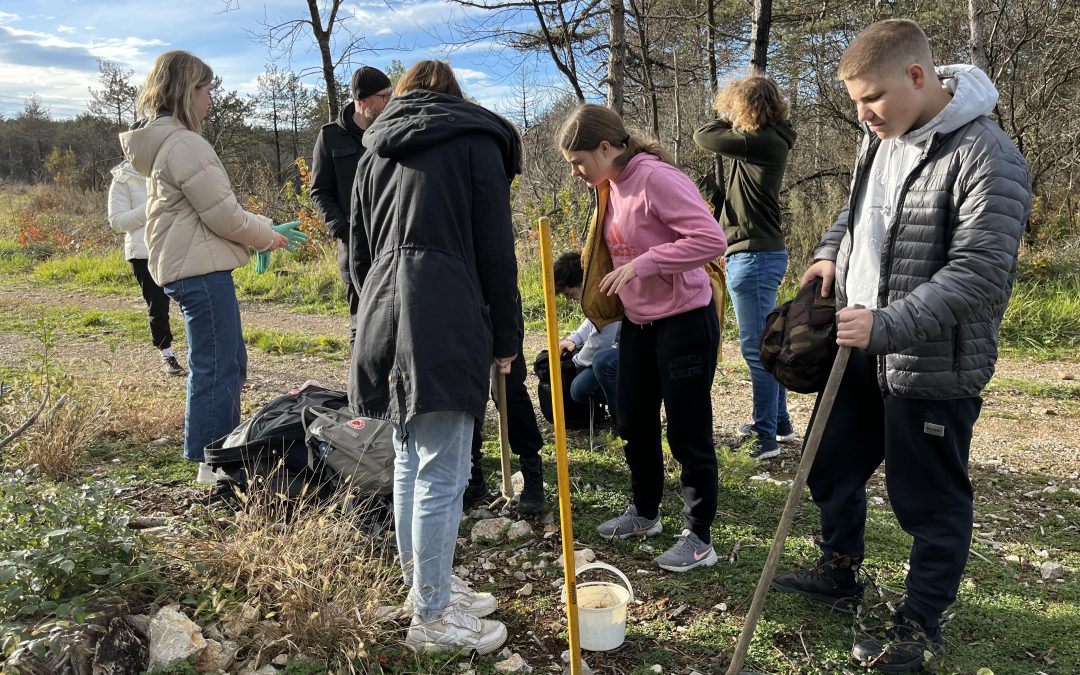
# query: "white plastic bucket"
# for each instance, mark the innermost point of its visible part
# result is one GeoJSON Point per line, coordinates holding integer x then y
{"type": "Point", "coordinates": [602, 610]}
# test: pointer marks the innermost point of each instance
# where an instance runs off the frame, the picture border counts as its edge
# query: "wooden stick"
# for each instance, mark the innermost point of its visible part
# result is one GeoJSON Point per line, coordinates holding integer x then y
{"type": "Point", "coordinates": [504, 439]}
{"type": "Point", "coordinates": [821, 417]}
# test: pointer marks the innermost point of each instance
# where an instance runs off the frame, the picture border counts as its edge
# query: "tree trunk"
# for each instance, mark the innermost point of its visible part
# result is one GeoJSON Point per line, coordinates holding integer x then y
{"type": "Point", "coordinates": [616, 75]}
{"type": "Point", "coordinates": [759, 36]}
{"type": "Point", "coordinates": [978, 36]}
{"type": "Point", "coordinates": [714, 84]}
{"type": "Point", "coordinates": [322, 37]}
{"type": "Point", "coordinates": [646, 65]}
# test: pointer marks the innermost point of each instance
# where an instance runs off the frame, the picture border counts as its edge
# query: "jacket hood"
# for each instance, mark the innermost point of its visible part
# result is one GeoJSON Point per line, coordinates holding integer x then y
{"type": "Point", "coordinates": [345, 119]}
{"type": "Point", "coordinates": [787, 132]}
{"type": "Point", "coordinates": [974, 96]}
{"type": "Point", "coordinates": [125, 172]}
{"type": "Point", "coordinates": [420, 119]}
{"type": "Point", "coordinates": [142, 143]}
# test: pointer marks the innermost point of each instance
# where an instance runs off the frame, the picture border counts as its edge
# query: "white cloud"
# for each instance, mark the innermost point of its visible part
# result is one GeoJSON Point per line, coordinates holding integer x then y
{"type": "Point", "coordinates": [61, 28]}
{"type": "Point", "coordinates": [381, 19]}
{"type": "Point", "coordinates": [7, 17]}
{"type": "Point", "coordinates": [469, 75]}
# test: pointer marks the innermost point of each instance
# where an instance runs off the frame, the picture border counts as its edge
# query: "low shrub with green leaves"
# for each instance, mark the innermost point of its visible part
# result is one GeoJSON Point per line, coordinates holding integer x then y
{"type": "Point", "coordinates": [65, 552]}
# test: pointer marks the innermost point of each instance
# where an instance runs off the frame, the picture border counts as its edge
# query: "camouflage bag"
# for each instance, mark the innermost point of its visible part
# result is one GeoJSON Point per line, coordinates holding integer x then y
{"type": "Point", "coordinates": [799, 342]}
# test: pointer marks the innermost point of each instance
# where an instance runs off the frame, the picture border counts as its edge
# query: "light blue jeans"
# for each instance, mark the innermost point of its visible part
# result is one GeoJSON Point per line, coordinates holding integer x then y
{"type": "Point", "coordinates": [431, 469]}
{"type": "Point", "coordinates": [752, 280]}
{"type": "Point", "coordinates": [217, 360]}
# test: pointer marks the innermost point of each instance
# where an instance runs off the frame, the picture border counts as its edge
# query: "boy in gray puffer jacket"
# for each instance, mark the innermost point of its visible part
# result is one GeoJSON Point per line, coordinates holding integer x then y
{"type": "Point", "coordinates": [927, 247]}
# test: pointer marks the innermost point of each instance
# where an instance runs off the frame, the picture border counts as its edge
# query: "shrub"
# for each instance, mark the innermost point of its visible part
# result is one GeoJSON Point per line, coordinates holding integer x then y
{"type": "Point", "coordinates": [66, 554]}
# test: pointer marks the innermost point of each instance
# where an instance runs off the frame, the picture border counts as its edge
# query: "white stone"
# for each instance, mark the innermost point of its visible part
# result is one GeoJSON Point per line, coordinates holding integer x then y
{"type": "Point", "coordinates": [877, 501]}
{"type": "Point", "coordinates": [519, 530]}
{"type": "Point", "coordinates": [722, 607]}
{"type": "Point", "coordinates": [518, 481]}
{"type": "Point", "coordinates": [526, 565]}
{"type": "Point", "coordinates": [514, 664]}
{"type": "Point", "coordinates": [174, 637]}
{"type": "Point", "coordinates": [490, 530]}
{"type": "Point", "coordinates": [656, 668]}
{"type": "Point", "coordinates": [281, 660]}
{"type": "Point", "coordinates": [520, 576]}
{"type": "Point", "coordinates": [1052, 570]}
{"type": "Point", "coordinates": [488, 566]}
{"type": "Point", "coordinates": [525, 591]}
{"type": "Point", "coordinates": [582, 557]}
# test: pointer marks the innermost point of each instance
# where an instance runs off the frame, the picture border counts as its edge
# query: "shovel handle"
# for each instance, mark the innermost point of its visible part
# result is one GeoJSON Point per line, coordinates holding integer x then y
{"type": "Point", "coordinates": [504, 437]}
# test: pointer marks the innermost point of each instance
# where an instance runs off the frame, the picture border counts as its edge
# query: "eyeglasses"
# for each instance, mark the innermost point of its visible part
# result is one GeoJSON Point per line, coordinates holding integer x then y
{"type": "Point", "coordinates": [384, 97]}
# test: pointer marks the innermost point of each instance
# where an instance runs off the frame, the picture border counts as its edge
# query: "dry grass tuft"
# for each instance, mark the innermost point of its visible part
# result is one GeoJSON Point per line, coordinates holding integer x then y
{"type": "Point", "coordinates": [309, 575]}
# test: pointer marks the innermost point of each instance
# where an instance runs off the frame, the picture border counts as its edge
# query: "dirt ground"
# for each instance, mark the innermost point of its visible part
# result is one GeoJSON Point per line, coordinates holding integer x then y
{"type": "Point", "coordinates": [1018, 429]}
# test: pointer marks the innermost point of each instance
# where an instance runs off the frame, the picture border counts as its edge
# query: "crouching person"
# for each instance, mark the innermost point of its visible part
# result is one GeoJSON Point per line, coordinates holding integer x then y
{"type": "Point", "coordinates": [432, 251]}
{"type": "Point", "coordinates": [927, 245]}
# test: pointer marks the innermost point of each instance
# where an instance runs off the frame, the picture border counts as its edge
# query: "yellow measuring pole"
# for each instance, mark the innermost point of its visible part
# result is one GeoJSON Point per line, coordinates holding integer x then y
{"type": "Point", "coordinates": [565, 522]}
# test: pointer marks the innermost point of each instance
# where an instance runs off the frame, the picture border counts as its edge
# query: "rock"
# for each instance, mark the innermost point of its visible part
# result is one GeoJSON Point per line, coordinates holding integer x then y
{"type": "Point", "coordinates": [218, 656]}
{"type": "Point", "coordinates": [281, 660]}
{"type": "Point", "coordinates": [548, 519]}
{"type": "Point", "coordinates": [519, 530]}
{"type": "Point", "coordinates": [514, 664]}
{"type": "Point", "coordinates": [121, 650]}
{"type": "Point", "coordinates": [677, 612]}
{"type": "Point", "coordinates": [146, 522]}
{"type": "Point", "coordinates": [1050, 489]}
{"type": "Point", "coordinates": [462, 572]}
{"type": "Point", "coordinates": [585, 669]}
{"type": "Point", "coordinates": [582, 557]}
{"type": "Point", "coordinates": [1062, 375]}
{"type": "Point", "coordinates": [488, 566]}
{"type": "Point", "coordinates": [164, 440]}
{"type": "Point", "coordinates": [877, 501]}
{"type": "Point", "coordinates": [141, 624]}
{"type": "Point", "coordinates": [656, 668]}
{"type": "Point", "coordinates": [518, 481]}
{"type": "Point", "coordinates": [1051, 570]}
{"type": "Point", "coordinates": [722, 607]}
{"type": "Point", "coordinates": [490, 530]}
{"type": "Point", "coordinates": [526, 565]}
{"type": "Point", "coordinates": [525, 591]}
{"type": "Point", "coordinates": [482, 514]}
{"type": "Point", "coordinates": [173, 637]}
{"type": "Point", "coordinates": [520, 576]}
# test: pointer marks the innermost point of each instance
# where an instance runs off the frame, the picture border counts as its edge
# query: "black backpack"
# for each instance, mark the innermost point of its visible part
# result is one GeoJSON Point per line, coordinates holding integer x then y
{"type": "Point", "coordinates": [272, 444]}
{"type": "Point", "coordinates": [576, 414]}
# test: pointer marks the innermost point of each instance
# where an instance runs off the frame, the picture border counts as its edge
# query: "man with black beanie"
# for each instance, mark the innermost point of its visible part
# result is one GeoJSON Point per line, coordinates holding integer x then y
{"type": "Point", "coordinates": [333, 167]}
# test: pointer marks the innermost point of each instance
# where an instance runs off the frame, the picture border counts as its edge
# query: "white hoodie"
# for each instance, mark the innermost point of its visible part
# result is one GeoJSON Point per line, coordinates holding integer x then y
{"type": "Point", "coordinates": [973, 95]}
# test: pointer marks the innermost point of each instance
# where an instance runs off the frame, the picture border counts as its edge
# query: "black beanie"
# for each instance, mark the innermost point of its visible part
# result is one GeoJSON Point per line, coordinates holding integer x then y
{"type": "Point", "coordinates": [368, 81]}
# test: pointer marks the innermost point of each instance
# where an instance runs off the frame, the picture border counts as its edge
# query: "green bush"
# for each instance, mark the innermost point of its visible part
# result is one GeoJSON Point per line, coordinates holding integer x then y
{"type": "Point", "coordinates": [65, 551]}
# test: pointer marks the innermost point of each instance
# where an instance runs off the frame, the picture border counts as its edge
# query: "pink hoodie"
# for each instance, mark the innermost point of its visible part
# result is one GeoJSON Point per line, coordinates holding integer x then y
{"type": "Point", "coordinates": [657, 218]}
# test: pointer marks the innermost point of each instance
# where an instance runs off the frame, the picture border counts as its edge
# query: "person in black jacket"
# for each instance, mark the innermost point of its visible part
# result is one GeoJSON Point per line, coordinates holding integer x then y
{"type": "Point", "coordinates": [333, 166]}
{"type": "Point", "coordinates": [432, 252]}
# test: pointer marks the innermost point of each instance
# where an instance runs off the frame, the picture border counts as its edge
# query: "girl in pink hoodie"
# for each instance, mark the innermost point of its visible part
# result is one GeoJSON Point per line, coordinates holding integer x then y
{"type": "Point", "coordinates": [660, 233]}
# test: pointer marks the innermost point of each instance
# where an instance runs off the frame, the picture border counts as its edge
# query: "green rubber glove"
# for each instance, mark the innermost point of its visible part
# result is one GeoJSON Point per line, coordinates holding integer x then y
{"type": "Point", "coordinates": [262, 261]}
{"type": "Point", "coordinates": [296, 237]}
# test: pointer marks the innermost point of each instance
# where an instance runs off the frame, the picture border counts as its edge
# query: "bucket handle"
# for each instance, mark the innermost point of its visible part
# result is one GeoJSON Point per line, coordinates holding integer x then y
{"type": "Point", "coordinates": [605, 566]}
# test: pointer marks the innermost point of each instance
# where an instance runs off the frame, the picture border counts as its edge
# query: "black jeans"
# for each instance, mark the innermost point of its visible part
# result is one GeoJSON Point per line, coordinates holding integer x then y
{"type": "Point", "coordinates": [671, 360]}
{"type": "Point", "coordinates": [924, 444]}
{"type": "Point", "coordinates": [156, 301]}
{"type": "Point", "coordinates": [525, 438]}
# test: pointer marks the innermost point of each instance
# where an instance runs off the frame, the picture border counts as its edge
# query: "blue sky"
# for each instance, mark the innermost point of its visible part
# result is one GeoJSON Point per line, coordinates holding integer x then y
{"type": "Point", "coordinates": [51, 47]}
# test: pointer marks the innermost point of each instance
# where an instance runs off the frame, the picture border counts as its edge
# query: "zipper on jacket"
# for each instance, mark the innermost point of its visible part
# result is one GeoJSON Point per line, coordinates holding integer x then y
{"type": "Point", "coordinates": [890, 245]}
{"type": "Point", "coordinates": [956, 349]}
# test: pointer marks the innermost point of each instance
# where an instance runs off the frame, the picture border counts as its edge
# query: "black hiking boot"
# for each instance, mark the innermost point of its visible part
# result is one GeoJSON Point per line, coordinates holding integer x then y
{"type": "Point", "coordinates": [531, 501]}
{"type": "Point", "coordinates": [476, 491]}
{"type": "Point", "coordinates": [831, 583]}
{"type": "Point", "coordinates": [902, 649]}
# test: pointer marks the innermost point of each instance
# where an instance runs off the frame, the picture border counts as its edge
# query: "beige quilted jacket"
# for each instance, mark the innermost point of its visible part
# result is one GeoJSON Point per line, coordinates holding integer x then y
{"type": "Point", "coordinates": [194, 224]}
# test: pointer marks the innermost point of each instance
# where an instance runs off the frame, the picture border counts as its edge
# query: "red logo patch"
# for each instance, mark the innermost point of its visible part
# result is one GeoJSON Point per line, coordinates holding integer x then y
{"type": "Point", "coordinates": [356, 423]}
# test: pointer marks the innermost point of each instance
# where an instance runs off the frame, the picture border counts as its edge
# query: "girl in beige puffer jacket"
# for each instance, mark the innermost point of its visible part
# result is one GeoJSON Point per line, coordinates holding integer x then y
{"type": "Point", "coordinates": [196, 234]}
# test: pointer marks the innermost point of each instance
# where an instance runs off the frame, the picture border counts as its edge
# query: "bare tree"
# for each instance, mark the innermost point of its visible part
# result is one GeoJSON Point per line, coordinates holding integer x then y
{"type": "Point", "coordinates": [759, 36]}
{"type": "Point", "coordinates": [978, 35]}
{"type": "Point", "coordinates": [616, 72]}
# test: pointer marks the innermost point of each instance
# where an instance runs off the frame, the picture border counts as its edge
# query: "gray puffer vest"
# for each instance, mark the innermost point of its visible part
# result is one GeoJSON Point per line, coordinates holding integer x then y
{"type": "Point", "coordinates": [948, 261]}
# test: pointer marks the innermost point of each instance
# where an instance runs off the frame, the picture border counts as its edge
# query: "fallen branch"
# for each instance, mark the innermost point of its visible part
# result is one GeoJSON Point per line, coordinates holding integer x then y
{"type": "Point", "coordinates": [30, 420]}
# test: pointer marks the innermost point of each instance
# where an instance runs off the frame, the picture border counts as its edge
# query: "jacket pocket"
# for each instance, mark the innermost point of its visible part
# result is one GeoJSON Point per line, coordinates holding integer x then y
{"type": "Point", "coordinates": [342, 152]}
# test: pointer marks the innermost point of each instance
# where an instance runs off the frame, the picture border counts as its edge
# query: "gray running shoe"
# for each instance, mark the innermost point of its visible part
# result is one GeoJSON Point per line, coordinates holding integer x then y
{"type": "Point", "coordinates": [630, 524]}
{"type": "Point", "coordinates": [687, 553]}
{"type": "Point", "coordinates": [746, 430]}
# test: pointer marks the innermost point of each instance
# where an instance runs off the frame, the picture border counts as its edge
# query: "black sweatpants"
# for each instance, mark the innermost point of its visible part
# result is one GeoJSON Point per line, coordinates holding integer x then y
{"type": "Point", "coordinates": [156, 301]}
{"type": "Point", "coordinates": [924, 443]}
{"type": "Point", "coordinates": [525, 438]}
{"type": "Point", "coordinates": [671, 360]}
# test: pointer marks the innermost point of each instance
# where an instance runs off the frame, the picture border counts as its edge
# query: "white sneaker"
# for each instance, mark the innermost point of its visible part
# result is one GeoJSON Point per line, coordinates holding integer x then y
{"type": "Point", "coordinates": [464, 599]}
{"type": "Point", "coordinates": [207, 476]}
{"type": "Point", "coordinates": [454, 629]}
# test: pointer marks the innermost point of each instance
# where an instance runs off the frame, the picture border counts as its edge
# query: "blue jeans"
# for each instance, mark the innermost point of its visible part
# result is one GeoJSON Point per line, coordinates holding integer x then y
{"type": "Point", "coordinates": [752, 280]}
{"type": "Point", "coordinates": [431, 469]}
{"type": "Point", "coordinates": [598, 381]}
{"type": "Point", "coordinates": [217, 360]}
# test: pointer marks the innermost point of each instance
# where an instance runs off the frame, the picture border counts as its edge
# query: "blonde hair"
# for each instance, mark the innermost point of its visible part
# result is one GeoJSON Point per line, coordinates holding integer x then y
{"type": "Point", "coordinates": [591, 124]}
{"type": "Point", "coordinates": [436, 76]}
{"type": "Point", "coordinates": [169, 85]}
{"type": "Point", "coordinates": [890, 45]}
{"type": "Point", "coordinates": [751, 103]}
